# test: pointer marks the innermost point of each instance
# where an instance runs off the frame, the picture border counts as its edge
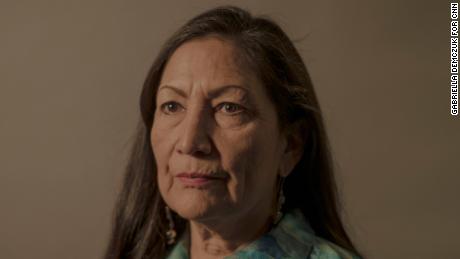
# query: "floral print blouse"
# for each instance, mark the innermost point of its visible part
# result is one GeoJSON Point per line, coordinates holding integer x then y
{"type": "Point", "coordinates": [292, 237]}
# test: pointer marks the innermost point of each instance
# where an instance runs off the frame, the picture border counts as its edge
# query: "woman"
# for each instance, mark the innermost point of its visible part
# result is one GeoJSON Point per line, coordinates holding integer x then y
{"type": "Point", "coordinates": [232, 158]}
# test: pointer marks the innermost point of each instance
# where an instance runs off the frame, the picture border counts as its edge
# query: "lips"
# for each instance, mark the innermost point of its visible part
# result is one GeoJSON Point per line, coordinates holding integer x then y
{"type": "Point", "coordinates": [198, 179]}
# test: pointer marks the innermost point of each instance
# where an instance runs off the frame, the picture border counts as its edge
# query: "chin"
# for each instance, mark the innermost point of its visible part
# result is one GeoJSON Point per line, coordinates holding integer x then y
{"type": "Point", "coordinates": [194, 207]}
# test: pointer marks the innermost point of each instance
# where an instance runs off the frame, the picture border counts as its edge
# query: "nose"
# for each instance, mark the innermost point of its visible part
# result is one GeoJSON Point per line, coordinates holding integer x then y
{"type": "Point", "coordinates": [195, 139]}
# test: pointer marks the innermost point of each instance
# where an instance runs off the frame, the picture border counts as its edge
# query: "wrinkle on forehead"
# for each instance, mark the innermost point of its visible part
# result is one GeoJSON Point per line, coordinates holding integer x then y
{"type": "Point", "coordinates": [204, 60]}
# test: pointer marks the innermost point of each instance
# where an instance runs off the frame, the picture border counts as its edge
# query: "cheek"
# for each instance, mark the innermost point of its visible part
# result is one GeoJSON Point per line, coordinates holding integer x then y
{"type": "Point", "coordinates": [162, 143]}
{"type": "Point", "coordinates": [251, 158]}
{"type": "Point", "coordinates": [162, 148]}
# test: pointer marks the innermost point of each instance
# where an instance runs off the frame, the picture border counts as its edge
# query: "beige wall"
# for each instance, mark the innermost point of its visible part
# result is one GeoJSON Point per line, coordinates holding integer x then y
{"type": "Point", "coordinates": [70, 76]}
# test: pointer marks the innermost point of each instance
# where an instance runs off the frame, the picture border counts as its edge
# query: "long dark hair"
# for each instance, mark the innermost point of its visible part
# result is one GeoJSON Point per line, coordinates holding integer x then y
{"type": "Point", "coordinates": [140, 223]}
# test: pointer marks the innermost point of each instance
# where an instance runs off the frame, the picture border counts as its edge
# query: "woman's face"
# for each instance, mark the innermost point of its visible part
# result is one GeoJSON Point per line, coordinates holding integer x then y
{"type": "Point", "coordinates": [215, 135]}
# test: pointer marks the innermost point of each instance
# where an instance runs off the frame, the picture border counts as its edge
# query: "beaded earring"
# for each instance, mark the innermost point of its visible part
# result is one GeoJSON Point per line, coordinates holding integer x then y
{"type": "Point", "coordinates": [171, 233]}
{"type": "Point", "coordinates": [281, 200]}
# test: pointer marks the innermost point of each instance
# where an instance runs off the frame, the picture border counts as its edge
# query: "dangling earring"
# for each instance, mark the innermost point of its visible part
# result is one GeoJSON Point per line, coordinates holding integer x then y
{"type": "Point", "coordinates": [171, 233]}
{"type": "Point", "coordinates": [281, 200]}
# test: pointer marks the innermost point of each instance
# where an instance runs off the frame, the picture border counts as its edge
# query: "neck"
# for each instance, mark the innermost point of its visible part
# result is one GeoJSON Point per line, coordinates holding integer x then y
{"type": "Point", "coordinates": [222, 236]}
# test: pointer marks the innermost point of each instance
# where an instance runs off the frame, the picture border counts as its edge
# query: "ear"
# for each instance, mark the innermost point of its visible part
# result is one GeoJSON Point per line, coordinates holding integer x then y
{"type": "Point", "coordinates": [293, 151]}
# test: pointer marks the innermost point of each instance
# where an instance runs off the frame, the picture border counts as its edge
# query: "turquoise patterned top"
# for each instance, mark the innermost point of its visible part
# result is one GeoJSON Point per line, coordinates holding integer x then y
{"type": "Point", "coordinates": [292, 237]}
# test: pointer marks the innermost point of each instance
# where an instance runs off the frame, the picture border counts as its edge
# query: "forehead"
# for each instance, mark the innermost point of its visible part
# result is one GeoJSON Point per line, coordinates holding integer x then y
{"type": "Point", "coordinates": [207, 60]}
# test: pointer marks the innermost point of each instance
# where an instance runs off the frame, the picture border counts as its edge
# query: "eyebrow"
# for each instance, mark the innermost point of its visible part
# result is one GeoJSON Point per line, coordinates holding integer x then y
{"type": "Point", "coordinates": [213, 93]}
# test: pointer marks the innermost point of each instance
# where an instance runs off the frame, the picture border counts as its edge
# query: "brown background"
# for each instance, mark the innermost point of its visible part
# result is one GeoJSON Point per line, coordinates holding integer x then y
{"type": "Point", "coordinates": [70, 77]}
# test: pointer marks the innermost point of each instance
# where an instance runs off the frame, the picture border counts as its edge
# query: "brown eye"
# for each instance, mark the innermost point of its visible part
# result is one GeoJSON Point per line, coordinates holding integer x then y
{"type": "Point", "coordinates": [230, 108]}
{"type": "Point", "coordinates": [171, 107]}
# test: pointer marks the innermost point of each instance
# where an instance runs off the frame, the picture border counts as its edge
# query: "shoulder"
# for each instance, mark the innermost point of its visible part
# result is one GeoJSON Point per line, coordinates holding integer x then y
{"type": "Point", "coordinates": [323, 249]}
{"type": "Point", "coordinates": [298, 240]}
